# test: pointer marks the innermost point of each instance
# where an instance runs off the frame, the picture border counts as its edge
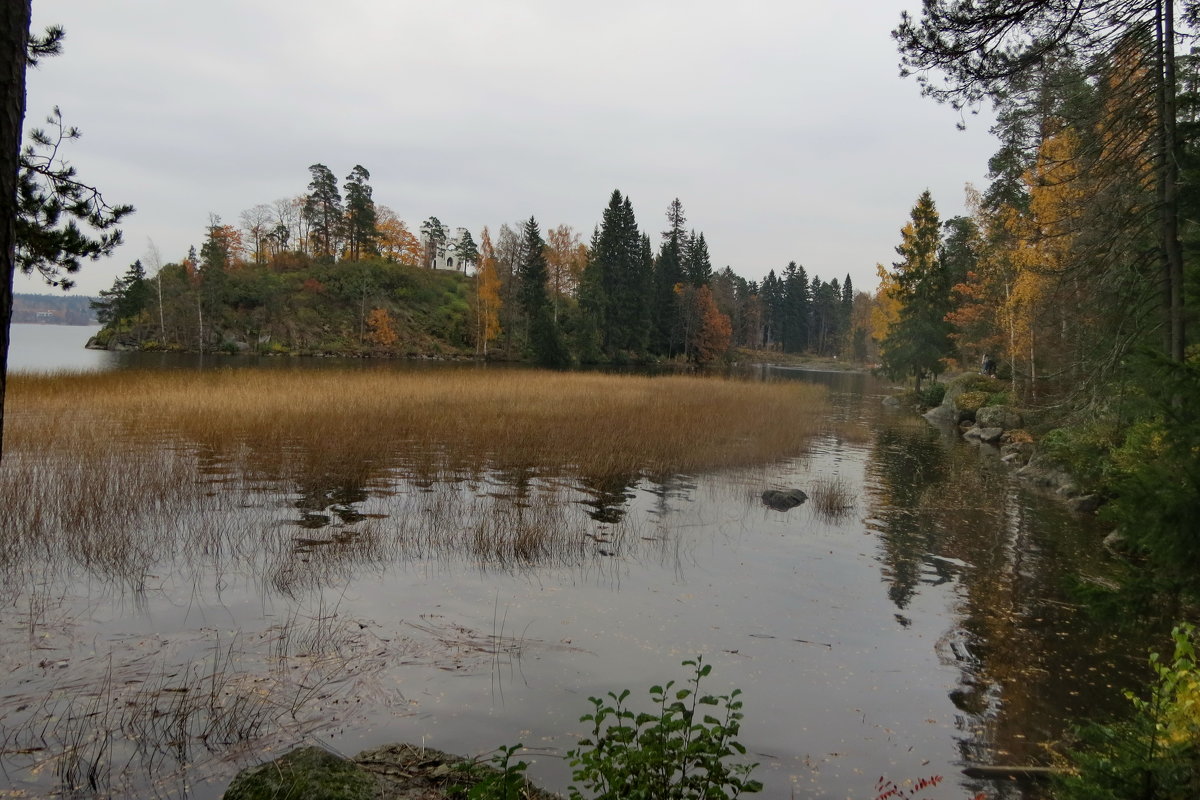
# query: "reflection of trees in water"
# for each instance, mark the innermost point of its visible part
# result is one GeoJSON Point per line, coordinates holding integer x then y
{"type": "Point", "coordinates": [607, 495]}
{"type": "Point", "coordinates": [904, 465]}
{"type": "Point", "coordinates": [1032, 659]}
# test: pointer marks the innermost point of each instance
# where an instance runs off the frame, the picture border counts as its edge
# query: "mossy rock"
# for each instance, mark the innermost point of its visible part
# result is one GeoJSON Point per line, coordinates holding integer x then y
{"type": "Point", "coordinates": [309, 773]}
{"type": "Point", "coordinates": [970, 401]}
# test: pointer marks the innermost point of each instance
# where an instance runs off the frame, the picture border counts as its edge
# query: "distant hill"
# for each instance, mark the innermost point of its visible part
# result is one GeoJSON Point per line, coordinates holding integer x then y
{"type": "Point", "coordinates": [53, 309]}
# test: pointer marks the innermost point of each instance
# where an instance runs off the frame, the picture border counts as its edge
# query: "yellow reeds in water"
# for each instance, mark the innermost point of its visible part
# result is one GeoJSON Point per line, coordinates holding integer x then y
{"type": "Point", "coordinates": [832, 498]}
{"type": "Point", "coordinates": [590, 423]}
{"type": "Point", "coordinates": [114, 467]}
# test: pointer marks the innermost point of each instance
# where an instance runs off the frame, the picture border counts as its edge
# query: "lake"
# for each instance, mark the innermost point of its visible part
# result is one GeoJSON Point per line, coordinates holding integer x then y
{"type": "Point", "coordinates": [922, 627]}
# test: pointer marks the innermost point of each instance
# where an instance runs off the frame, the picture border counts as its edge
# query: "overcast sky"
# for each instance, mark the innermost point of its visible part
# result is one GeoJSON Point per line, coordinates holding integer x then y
{"type": "Point", "coordinates": [782, 126]}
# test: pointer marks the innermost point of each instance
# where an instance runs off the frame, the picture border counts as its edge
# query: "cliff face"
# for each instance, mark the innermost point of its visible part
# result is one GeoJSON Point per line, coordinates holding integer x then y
{"type": "Point", "coordinates": [367, 308]}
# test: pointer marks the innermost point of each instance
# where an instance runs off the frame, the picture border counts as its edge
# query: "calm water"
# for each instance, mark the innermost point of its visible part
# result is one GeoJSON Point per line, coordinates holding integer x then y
{"type": "Point", "coordinates": [921, 629]}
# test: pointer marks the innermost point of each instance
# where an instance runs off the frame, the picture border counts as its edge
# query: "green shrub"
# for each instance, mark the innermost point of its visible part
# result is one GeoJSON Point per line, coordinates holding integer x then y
{"type": "Point", "coordinates": [1156, 753]}
{"type": "Point", "coordinates": [679, 751]}
{"type": "Point", "coordinates": [932, 394]}
{"type": "Point", "coordinates": [1083, 450]}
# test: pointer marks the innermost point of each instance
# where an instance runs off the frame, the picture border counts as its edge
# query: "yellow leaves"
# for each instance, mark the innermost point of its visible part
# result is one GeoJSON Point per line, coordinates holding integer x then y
{"type": "Point", "coordinates": [487, 293]}
{"type": "Point", "coordinates": [885, 311]}
{"type": "Point", "coordinates": [566, 256]}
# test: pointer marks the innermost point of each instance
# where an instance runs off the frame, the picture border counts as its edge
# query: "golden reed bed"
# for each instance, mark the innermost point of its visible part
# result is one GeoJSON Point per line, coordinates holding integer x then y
{"type": "Point", "coordinates": [592, 423]}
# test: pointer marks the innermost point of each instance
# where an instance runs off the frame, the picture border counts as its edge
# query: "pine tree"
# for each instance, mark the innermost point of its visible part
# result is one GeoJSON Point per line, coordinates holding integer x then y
{"type": "Point", "coordinates": [361, 235]}
{"type": "Point", "coordinates": [324, 213]}
{"type": "Point", "coordinates": [465, 249]}
{"type": "Point", "coordinates": [128, 297]}
{"type": "Point", "coordinates": [434, 234]}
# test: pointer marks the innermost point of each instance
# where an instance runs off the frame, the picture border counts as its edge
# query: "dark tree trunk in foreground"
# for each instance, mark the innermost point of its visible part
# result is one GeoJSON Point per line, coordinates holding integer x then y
{"type": "Point", "coordinates": [14, 39]}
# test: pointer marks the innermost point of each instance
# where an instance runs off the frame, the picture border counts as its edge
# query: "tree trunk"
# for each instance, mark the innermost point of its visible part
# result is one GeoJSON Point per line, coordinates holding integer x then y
{"type": "Point", "coordinates": [1170, 198]}
{"type": "Point", "coordinates": [14, 42]}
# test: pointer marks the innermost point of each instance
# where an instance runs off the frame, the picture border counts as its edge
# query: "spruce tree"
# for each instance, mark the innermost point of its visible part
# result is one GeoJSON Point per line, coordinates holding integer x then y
{"type": "Point", "coordinates": [918, 341]}
{"type": "Point", "coordinates": [794, 309]}
{"type": "Point", "coordinates": [545, 340]}
{"type": "Point", "coordinates": [698, 264]}
{"type": "Point", "coordinates": [623, 278]}
{"type": "Point", "coordinates": [668, 273]}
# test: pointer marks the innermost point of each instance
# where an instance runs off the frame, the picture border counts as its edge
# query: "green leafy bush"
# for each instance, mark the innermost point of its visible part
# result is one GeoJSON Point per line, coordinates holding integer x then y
{"type": "Point", "coordinates": [1083, 450]}
{"type": "Point", "coordinates": [1155, 478]}
{"type": "Point", "coordinates": [680, 751]}
{"type": "Point", "coordinates": [932, 394]}
{"type": "Point", "coordinates": [1156, 754]}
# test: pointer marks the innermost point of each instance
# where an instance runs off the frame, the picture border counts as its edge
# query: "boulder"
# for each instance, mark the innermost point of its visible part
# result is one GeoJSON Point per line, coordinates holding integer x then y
{"type": "Point", "coordinates": [989, 435]}
{"type": "Point", "coordinates": [978, 434]}
{"type": "Point", "coordinates": [941, 414]}
{"type": "Point", "coordinates": [1086, 503]}
{"type": "Point", "coordinates": [891, 401]}
{"type": "Point", "coordinates": [783, 500]}
{"type": "Point", "coordinates": [998, 417]}
{"type": "Point", "coordinates": [308, 773]}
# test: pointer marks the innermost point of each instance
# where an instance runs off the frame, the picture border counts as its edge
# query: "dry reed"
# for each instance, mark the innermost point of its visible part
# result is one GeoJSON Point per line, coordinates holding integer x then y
{"type": "Point", "coordinates": [600, 424]}
{"type": "Point", "coordinates": [118, 470]}
{"type": "Point", "coordinates": [831, 497]}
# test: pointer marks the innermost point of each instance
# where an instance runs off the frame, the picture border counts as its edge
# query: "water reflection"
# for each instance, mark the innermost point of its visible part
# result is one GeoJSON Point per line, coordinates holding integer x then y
{"type": "Point", "coordinates": [1030, 659]}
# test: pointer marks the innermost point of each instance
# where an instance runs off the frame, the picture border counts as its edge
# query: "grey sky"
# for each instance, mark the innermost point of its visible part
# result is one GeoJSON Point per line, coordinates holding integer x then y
{"type": "Point", "coordinates": [783, 127]}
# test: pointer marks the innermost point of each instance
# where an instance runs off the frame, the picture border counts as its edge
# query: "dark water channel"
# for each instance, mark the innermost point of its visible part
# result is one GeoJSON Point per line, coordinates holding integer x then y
{"type": "Point", "coordinates": [925, 626]}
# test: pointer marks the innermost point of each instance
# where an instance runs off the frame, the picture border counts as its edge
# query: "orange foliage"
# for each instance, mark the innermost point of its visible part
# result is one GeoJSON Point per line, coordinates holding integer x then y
{"type": "Point", "coordinates": [714, 331]}
{"type": "Point", "coordinates": [379, 328]}
{"type": "Point", "coordinates": [231, 241]}
{"type": "Point", "coordinates": [396, 242]}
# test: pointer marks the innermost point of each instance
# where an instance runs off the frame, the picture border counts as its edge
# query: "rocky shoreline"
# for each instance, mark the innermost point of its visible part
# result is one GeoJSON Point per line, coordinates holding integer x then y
{"type": "Point", "coordinates": [969, 405]}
